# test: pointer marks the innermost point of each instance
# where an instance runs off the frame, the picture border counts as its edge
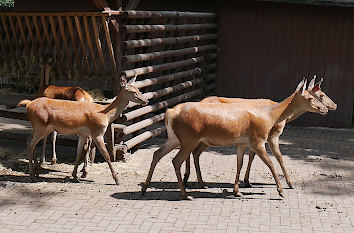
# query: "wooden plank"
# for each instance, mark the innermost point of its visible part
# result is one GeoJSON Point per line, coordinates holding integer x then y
{"type": "Point", "coordinates": [15, 37]}
{"type": "Point", "coordinates": [98, 43]}
{"type": "Point", "coordinates": [46, 34]}
{"type": "Point", "coordinates": [89, 42]}
{"type": "Point", "coordinates": [55, 36]}
{"type": "Point", "coordinates": [22, 32]}
{"type": "Point", "coordinates": [166, 66]}
{"type": "Point", "coordinates": [68, 59]}
{"type": "Point", "coordinates": [39, 34]}
{"type": "Point", "coordinates": [143, 124]}
{"type": "Point", "coordinates": [337, 77]}
{"type": "Point", "coordinates": [131, 14]}
{"type": "Point", "coordinates": [82, 43]}
{"type": "Point", "coordinates": [143, 137]}
{"type": "Point", "coordinates": [73, 42]}
{"type": "Point", "coordinates": [160, 105]}
{"type": "Point", "coordinates": [3, 49]}
{"type": "Point", "coordinates": [69, 13]}
{"type": "Point", "coordinates": [29, 30]}
{"type": "Point", "coordinates": [169, 90]}
{"type": "Point", "coordinates": [345, 84]}
{"type": "Point", "coordinates": [168, 27]}
{"type": "Point", "coordinates": [169, 40]}
{"type": "Point", "coordinates": [168, 53]}
{"type": "Point", "coordinates": [109, 43]}
{"type": "Point", "coordinates": [329, 20]}
{"type": "Point", "coordinates": [7, 35]}
{"type": "Point", "coordinates": [118, 50]}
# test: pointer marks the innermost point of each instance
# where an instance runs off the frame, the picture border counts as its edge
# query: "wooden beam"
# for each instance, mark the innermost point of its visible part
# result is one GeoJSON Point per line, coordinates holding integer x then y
{"type": "Point", "coordinates": [132, 4]}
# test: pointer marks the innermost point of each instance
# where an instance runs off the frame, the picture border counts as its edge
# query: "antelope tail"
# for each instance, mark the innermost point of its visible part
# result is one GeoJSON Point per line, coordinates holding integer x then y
{"type": "Point", "coordinates": [23, 103]}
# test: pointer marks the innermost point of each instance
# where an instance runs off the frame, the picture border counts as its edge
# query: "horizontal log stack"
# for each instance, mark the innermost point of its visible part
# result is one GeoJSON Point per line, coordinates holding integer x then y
{"type": "Point", "coordinates": [174, 55]}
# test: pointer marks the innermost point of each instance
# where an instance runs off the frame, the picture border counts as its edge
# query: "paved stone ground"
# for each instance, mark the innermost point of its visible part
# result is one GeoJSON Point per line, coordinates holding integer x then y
{"type": "Point", "coordinates": [320, 162]}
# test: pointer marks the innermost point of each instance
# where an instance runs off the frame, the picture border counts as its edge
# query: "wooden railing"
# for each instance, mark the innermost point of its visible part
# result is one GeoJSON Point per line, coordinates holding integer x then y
{"type": "Point", "coordinates": [80, 41]}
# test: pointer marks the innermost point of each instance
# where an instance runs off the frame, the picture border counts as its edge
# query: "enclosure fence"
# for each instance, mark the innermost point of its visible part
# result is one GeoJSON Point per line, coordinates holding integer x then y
{"type": "Point", "coordinates": [173, 54]}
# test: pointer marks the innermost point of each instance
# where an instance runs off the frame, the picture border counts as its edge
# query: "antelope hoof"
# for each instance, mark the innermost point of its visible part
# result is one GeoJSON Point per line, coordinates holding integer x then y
{"type": "Point", "coordinates": [186, 197]}
{"type": "Point", "coordinates": [237, 194]}
{"type": "Point", "coordinates": [143, 190]}
{"type": "Point", "coordinates": [84, 174]}
{"type": "Point", "coordinates": [76, 180]}
{"type": "Point", "coordinates": [203, 185]}
{"type": "Point", "coordinates": [116, 180]}
{"type": "Point", "coordinates": [281, 194]}
{"type": "Point", "coordinates": [247, 184]}
{"type": "Point", "coordinates": [291, 185]}
{"type": "Point", "coordinates": [54, 161]}
{"type": "Point", "coordinates": [36, 171]}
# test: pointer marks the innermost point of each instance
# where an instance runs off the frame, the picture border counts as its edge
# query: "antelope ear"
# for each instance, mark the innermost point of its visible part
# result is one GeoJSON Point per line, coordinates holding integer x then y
{"type": "Point", "coordinates": [300, 85]}
{"type": "Point", "coordinates": [123, 81]}
{"type": "Point", "coordinates": [131, 81]}
{"type": "Point", "coordinates": [312, 83]}
{"type": "Point", "coordinates": [319, 83]}
{"type": "Point", "coordinates": [304, 87]}
{"type": "Point", "coordinates": [317, 87]}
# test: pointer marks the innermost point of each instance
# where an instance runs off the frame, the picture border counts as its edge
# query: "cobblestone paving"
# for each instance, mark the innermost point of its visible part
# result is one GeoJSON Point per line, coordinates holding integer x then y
{"type": "Point", "coordinates": [320, 162]}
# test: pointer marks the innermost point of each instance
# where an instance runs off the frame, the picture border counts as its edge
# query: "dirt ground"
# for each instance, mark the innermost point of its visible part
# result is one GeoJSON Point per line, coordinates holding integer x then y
{"type": "Point", "coordinates": [320, 162]}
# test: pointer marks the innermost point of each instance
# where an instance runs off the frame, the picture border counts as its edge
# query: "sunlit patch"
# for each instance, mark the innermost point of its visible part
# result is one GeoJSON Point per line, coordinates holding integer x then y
{"type": "Point", "coordinates": [285, 142]}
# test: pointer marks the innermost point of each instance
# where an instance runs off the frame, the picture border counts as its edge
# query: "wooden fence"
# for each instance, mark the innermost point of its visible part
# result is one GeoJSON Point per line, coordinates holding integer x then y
{"type": "Point", "coordinates": [80, 41]}
{"type": "Point", "coordinates": [174, 55]}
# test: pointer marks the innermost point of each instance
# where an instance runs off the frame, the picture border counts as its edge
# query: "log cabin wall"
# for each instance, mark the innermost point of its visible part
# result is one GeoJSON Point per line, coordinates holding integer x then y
{"type": "Point", "coordinates": [266, 48]}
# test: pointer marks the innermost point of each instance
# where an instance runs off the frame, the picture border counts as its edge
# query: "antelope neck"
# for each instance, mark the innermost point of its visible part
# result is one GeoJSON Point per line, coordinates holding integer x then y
{"type": "Point", "coordinates": [284, 109]}
{"type": "Point", "coordinates": [116, 108]}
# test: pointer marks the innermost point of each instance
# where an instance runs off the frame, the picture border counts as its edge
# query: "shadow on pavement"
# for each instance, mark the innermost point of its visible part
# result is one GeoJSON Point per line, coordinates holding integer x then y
{"type": "Point", "coordinates": [27, 179]}
{"type": "Point", "coordinates": [195, 185]}
{"type": "Point", "coordinates": [175, 195]}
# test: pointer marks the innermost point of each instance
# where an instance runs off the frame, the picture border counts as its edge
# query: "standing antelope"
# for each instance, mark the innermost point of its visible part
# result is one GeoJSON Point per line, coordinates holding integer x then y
{"type": "Point", "coordinates": [191, 123]}
{"type": "Point", "coordinates": [86, 119]}
{"type": "Point", "coordinates": [55, 92]}
{"type": "Point", "coordinates": [273, 137]}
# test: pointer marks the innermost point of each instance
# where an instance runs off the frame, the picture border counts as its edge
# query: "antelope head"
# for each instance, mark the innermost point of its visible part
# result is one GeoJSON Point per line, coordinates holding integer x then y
{"type": "Point", "coordinates": [308, 102]}
{"type": "Point", "coordinates": [315, 90]}
{"type": "Point", "coordinates": [131, 92]}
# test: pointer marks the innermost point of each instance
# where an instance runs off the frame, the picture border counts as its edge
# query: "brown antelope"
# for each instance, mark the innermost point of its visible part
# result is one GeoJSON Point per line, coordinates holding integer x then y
{"type": "Point", "coordinates": [273, 137]}
{"type": "Point", "coordinates": [216, 124]}
{"type": "Point", "coordinates": [86, 119]}
{"type": "Point", "coordinates": [55, 92]}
